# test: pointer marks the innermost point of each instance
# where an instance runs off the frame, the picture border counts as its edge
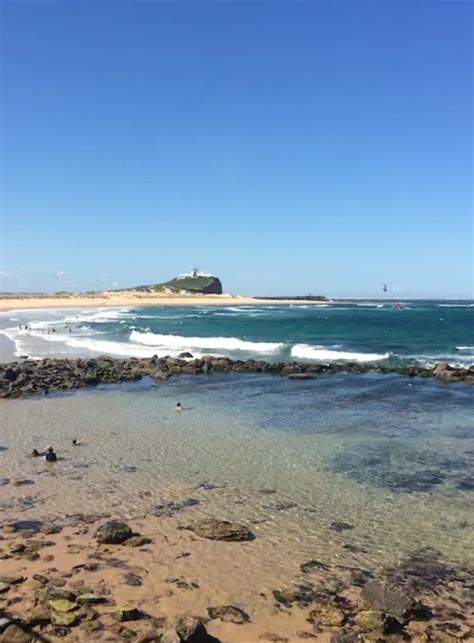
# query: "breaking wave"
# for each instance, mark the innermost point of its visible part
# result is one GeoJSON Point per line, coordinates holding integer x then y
{"type": "Point", "coordinates": [320, 353]}
{"type": "Point", "coordinates": [220, 343]}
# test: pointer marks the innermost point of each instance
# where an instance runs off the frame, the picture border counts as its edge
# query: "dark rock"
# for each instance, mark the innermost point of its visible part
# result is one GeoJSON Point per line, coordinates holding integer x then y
{"type": "Point", "coordinates": [114, 532]}
{"type": "Point", "coordinates": [127, 613]}
{"type": "Point", "coordinates": [214, 529]}
{"type": "Point", "coordinates": [300, 376]}
{"type": "Point", "coordinates": [340, 526]}
{"type": "Point", "coordinates": [133, 580]}
{"type": "Point", "coordinates": [185, 355]}
{"type": "Point", "coordinates": [229, 614]}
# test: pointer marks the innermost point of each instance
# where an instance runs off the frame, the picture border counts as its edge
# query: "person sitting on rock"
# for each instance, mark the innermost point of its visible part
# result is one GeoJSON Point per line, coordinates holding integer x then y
{"type": "Point", "coordinates": [50, 455]}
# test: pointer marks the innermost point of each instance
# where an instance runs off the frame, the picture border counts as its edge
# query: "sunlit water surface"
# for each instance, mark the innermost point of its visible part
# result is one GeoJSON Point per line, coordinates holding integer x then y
{"type": "Point", "coordinates": [391, 456]}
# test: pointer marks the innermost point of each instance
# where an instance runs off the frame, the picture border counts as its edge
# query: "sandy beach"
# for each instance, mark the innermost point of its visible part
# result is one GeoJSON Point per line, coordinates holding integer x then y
{"type": "Point", "coordinates": [135, 298]}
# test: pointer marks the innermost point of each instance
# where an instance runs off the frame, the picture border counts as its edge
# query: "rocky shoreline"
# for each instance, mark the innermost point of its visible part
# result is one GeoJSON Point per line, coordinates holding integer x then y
{"type": "Point", "coordinates": [79, 594]}
{"type": "Point", "coordinates": [31, 377]}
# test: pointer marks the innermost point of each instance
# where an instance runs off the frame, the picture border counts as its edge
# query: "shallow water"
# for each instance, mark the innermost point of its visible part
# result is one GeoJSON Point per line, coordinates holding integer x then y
{"type": "Point", "coordinates": [391, 456]}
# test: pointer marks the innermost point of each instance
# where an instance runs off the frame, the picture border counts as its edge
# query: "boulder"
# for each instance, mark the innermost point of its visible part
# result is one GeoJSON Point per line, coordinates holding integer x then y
{"type": "Point", "coordinates": [113, 532]}
{"type": "Point", "coordinates": [63, 605]}
{"type": "Point", "coordinates": [388, 597]}
{"type": "Point", "coordinates": [225, 530]}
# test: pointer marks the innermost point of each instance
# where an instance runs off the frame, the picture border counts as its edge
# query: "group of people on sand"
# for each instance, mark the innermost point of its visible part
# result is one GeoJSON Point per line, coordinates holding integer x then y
{"type": "Point", "coordinates": [49, 455]}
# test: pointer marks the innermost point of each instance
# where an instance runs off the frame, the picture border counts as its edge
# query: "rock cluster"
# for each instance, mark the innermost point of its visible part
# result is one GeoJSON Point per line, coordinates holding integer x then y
{"type": "Point", "coordinates": [29, 377]}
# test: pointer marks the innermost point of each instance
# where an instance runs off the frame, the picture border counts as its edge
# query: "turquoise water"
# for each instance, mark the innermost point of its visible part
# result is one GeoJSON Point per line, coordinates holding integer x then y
{"type": "Point", "coordinates": [407, 332]}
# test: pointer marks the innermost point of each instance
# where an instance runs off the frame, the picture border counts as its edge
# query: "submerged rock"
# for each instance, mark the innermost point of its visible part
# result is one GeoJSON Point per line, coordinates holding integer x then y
{"type": "Point", "coordinates": [229, 614]}
{"type": "Point", "coordinates": [114, 532]}
{"type": "Point", "coordinates": [340, 526]}
{"type": "Point", "coordinates": [313, 565]}
{"type": "Point", "coordinates": [301, 594]}
{"type": "Point", "coordinates": [225, 530]}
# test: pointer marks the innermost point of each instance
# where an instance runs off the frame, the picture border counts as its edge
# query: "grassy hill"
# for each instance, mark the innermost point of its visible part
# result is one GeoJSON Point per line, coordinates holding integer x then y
{"type": "Point", "coordinates": [203, 285]}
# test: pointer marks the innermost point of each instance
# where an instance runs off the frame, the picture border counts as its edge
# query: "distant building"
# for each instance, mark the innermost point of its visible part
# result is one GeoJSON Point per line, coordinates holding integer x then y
{"type": "Point", "coordinates": [195, 272]}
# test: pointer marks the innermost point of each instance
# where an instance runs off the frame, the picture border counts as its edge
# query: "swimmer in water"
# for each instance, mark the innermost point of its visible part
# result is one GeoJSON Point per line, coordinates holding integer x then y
{"type": "Point", "coordinates": [50, 455]}
{"type": "Point", "coordinates": [179, 406]}
{"type": "Point", "coordinates": [76, 442]}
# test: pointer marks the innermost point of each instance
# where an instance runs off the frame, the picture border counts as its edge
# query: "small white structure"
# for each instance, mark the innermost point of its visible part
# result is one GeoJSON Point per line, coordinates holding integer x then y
{"type": "Point", "coordinates": [195, 272]}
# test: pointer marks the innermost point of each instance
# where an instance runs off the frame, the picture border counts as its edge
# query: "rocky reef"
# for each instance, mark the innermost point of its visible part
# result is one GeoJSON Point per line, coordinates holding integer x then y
{"type": "Point", "coordinates": [31, 377]}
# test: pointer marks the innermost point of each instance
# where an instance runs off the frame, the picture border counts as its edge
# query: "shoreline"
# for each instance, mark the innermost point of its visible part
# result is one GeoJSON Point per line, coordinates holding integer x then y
{"type": "Point", "coordinates": [136, 299]}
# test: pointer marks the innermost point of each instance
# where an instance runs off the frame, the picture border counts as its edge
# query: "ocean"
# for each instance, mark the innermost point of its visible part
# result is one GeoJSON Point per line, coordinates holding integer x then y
{"type": "Point", "coordinates": [410, 332]}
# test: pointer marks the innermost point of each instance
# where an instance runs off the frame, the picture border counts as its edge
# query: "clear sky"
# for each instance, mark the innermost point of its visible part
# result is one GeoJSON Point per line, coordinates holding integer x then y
{"type": "Point", "coordinates": [289, 147]}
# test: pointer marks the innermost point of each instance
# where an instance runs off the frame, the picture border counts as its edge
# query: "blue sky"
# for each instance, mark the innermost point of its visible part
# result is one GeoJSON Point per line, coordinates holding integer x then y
{"type": "Point", "coordinates": [289, 147]}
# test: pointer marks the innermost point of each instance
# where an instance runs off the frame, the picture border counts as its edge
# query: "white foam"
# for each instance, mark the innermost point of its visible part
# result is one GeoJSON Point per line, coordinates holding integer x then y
{"type": "Point", "coordinates": [121, 349]}
{"type": "Point", "coordinates": [465, 348]}
{"type": "Point", "coordinates": [455, 305]}
{"type": "Point", "coordinates": [322, 354]}
{"type": "Point", "coordinates": [101, 316]}
{"type": "Point", "coordinates": [222, 343]}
